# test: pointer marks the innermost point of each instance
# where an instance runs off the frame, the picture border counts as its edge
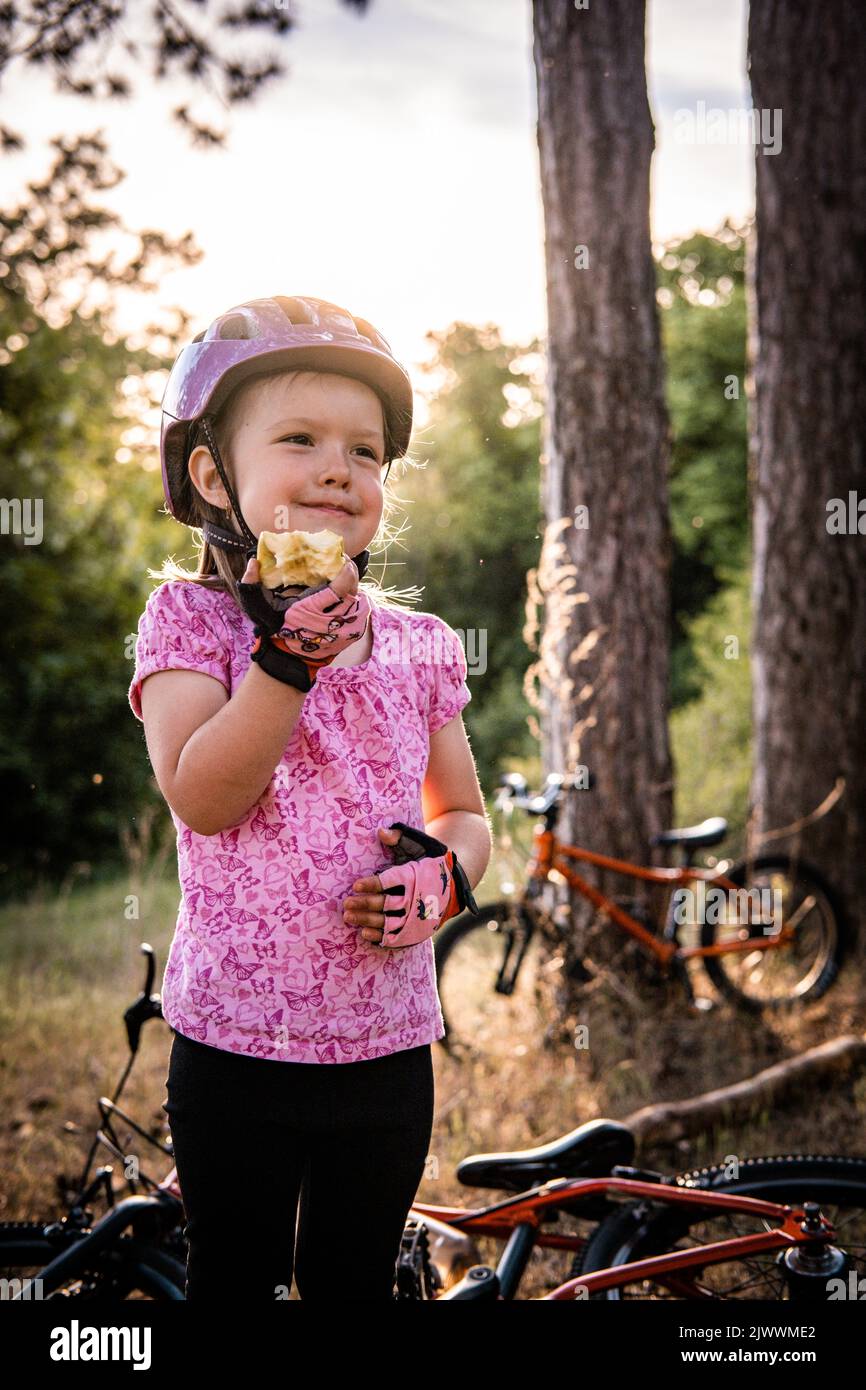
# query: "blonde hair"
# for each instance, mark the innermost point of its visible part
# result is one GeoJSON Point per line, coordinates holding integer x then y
{"type": "Point", "coordinates": [222, 569]}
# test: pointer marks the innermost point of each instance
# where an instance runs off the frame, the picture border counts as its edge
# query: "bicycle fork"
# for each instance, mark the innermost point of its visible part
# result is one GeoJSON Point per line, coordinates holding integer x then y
{"type": "Point", "coordinates": [505, 981]}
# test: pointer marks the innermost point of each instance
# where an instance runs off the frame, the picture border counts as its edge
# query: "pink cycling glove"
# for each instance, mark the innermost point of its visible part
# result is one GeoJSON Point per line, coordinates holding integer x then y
{"type": "Point", "coordinates": [295, 636]}
{"type": "Point", "coordinates": [428, 885]}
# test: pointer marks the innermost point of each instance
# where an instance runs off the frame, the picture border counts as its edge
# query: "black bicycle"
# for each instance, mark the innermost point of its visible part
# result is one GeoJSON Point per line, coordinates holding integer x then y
{"type": "Point", "coordinates": [136, 1249]}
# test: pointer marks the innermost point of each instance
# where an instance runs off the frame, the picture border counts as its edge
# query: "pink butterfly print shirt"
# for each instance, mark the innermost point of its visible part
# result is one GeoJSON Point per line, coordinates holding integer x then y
{"type": "Point", "coordinates": [261, 961]}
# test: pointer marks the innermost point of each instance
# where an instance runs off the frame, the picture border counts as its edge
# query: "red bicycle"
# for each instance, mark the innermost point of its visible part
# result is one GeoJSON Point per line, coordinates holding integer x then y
{"type": "Point", "coordinates": [790, 1227]}
{"type": "Point", "coordinates": [768, 930]}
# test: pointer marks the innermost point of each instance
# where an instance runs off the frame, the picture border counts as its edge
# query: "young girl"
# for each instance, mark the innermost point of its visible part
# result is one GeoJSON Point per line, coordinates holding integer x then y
{"type": "Point", "coordinates": [312, 754]}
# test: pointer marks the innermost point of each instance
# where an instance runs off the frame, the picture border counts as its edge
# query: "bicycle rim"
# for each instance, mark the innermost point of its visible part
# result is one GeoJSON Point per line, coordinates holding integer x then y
{"type": "Point", "coordinates": [498, 944]}
{"type": "Point", "coordinates": [801, 970]}
{"type": "Point", "coordinates": [642, 1229]}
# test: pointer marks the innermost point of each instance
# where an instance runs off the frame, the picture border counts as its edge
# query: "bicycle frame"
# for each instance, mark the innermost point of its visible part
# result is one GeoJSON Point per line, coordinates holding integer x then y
{"type": "Point", "coordinates": [518, 1220]}
{"type": "Point", "coordinates": [551, 855]}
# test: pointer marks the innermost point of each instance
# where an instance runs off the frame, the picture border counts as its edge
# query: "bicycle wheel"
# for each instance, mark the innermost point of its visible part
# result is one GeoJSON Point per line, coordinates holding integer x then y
{"type": "Point", "coordinates": [797, 895]}
{"type": "Point", "coordinates": [128, 1270]}
{"type": "Point", "coordinates": [487, 969]}
{"type": "Point", "coordinates": [644, 1228]}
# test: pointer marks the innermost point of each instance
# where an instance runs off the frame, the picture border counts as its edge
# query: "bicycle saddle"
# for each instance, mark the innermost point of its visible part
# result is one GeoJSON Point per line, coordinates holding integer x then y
{"type": "Point", "coordinates": [709, 832]}
{"type": "Point", "coordinates": [588, 1151]}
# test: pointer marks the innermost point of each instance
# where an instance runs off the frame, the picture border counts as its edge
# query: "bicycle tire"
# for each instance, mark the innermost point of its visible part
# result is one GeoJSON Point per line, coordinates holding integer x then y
{"type": "Point", "coordinates": [644, 1228]}
{"type": "Point", "coordinates": [147, 1269]}
{"type": "Point", "coordinates": [805, 873]}
{"type": "Point", "coordinates": [454, 935]}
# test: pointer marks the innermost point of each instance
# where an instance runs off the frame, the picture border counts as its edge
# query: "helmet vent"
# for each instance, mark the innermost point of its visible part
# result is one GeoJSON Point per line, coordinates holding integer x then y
{"type": "Point", "coordinates": [372, 335]}
{"type": "Point", "coordinates": [236, 326]}
{"type": "Point", "coordinates": [295, 310]}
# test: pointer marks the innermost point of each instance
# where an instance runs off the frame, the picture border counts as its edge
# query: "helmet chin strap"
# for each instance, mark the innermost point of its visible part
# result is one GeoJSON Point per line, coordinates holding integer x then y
{"type": "Point", "coordinates": [224, 539]}
{"type": "Point", "coordinates": [219, 535]}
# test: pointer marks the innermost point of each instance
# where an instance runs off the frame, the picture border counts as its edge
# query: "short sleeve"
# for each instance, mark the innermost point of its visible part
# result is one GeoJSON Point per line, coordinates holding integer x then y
{"type": "Point", "coordinates": [449, 692]}
{"type": "Point", "coordinates": [179, 630]}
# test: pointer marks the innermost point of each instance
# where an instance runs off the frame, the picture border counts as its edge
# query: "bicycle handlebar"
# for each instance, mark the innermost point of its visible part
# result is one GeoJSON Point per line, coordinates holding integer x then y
{"type": "Point", "coordinates": [146, 1006]}
{"type": "Point", "coordinates": [514, 791]}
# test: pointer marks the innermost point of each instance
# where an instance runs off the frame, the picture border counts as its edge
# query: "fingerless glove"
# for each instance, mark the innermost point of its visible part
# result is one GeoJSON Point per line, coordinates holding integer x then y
{"type": "Point", "coordinates": [295, 636]}
{"type": "Point", "coordinates": [428, 885]}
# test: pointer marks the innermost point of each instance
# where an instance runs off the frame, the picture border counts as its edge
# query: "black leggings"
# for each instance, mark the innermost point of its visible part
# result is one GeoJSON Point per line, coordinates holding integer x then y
{"type": "Point", "coordinates": [252, 1135]}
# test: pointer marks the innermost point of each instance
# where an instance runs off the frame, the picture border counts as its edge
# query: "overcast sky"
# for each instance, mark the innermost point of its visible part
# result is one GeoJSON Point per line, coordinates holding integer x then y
{"type": "Point", "coordinates": [394, 170]}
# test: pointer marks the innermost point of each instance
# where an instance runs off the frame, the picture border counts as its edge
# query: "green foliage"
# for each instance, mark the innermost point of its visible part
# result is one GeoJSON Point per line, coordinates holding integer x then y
{"type": "Point", "coordinates": [72, 762]}
{"type": "Point", "coordinates": [703, 317]}
{"type": "Point", "coordinates": [70, 751]}
{"type": "Point", "coordinates": [475, 529]}
{"type": "Point", "coordinates": [711, 735]}
{"type": "Point", "coordinates": [474, 510]}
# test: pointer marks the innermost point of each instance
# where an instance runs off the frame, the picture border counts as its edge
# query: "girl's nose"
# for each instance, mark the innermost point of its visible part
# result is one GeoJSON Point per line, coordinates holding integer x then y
{"type": "Point", "coordinates": [333, 466]}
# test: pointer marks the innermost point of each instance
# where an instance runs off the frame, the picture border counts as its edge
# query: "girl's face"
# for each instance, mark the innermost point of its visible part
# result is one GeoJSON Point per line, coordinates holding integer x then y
{"type": "Point", "coordinates": [307, 454]}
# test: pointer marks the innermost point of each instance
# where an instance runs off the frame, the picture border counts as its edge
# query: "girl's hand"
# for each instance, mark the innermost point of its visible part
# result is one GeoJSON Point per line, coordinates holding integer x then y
{"type": "Point", "coordinates": [308, 627]}
{"type": "Point", "coordinates": [366, 907]}
{"type": "Point", "coordinates": [426, 886]}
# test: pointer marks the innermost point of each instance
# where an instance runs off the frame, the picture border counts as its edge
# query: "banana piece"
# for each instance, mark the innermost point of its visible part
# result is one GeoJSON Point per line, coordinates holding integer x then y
{"type": "Point", "coordinates": [302, 558]}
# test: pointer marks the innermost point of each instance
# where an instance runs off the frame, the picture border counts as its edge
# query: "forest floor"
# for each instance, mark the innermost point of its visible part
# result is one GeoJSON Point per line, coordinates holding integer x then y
{"type": "Point", "coordinates": [70, 965]}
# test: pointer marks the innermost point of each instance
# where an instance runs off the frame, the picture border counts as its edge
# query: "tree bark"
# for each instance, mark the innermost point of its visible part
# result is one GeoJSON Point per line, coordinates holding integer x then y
{"type": "Point", "coordinates": [808, 427]}
{"type": "Point", "coordinates": [601, 679]}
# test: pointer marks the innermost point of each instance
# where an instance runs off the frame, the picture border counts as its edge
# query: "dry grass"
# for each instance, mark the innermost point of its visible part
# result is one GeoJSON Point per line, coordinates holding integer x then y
{"type": "Point", "coordinates": [71, 966]}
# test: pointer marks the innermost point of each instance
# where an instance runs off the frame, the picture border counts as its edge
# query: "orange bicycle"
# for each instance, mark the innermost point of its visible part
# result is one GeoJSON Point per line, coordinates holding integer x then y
{"type": "Point", "coordinates": [769, 930]}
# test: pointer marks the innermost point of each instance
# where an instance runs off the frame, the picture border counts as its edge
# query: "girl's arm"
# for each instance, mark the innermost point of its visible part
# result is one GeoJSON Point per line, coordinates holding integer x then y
{"type": "Point", "coordinates": [452, 802]}
{"type": "Point", "coordinates": [211, 767]}
{"type": "Point", "coordinates": [213, 757]}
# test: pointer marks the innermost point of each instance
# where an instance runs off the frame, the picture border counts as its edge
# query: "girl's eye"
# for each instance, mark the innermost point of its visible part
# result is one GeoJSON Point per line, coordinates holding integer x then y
{"type": "Point", "coordinates": [288, 438]}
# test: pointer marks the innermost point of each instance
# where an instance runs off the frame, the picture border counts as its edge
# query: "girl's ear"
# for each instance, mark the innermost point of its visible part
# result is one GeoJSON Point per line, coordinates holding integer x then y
{"type": "Point", "coordinates": [205, 478]}
{"type": "Point", "coordinates": [198, 459]}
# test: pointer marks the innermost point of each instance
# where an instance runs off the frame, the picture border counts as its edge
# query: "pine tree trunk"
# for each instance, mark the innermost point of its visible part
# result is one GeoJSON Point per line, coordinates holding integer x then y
{"type": "Point", "coordinates": [601, 680]}
{"type": "Point", "coordinates": [808, 429]}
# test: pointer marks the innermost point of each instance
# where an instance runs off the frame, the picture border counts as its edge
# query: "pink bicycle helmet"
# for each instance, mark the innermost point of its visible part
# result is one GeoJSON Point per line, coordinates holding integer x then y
{"type": "Point", "coordinates": [263, 335]}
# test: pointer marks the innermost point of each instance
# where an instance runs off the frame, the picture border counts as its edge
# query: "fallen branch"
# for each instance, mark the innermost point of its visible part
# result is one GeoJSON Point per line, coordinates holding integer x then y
{"type": "Point", "coordinates": [677, 1119]}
